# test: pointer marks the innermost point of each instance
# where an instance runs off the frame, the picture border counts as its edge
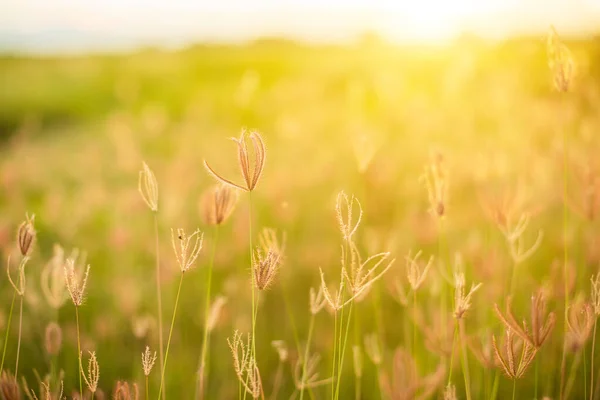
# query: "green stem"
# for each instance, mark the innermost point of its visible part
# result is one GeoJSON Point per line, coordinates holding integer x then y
{"type": "Point", "coordinates": [514, 388]}
{"type": "Point", "coordinates": [465, 360]}
{"type": "Point", "coordinates": [495, 386]}
{"type": "Point", "coordinates": [78, 350]}
{"type": "Point", "coordinates": [162, 378]}
{"type": "Point", "coordinates": [19, 339]}
{"type": "Point", "coordinates": [537, 362]}
{"type": "Point", "coordinates": [452, 354]}
{"type": "Point", "coordinates": [414, 336]}
{"type": "Point", "coordinates": [565, 251]}
{"type": "Point", "coordinates": [146, 387]}
{"type": "Point", "coordinates": [12, 304]}
{"type": "Point", "coordinates": [334, 360]}
{"type": "Point", "coordinates": [159, 302]}
{"type": "Point", "coordinates": [252, 275]}
{"type": "Point", "coordinates": [202, 367]}
{"type": "Point", "coordinates": [592, 357]}
{"type": "Point", "coordinates": [572, 374]}
{"type": "Point", "coordinates": [584, 374]}
{"type": "Point", "coordinates": [343, 352]}
{"type": "Point", "coordinates": [306, 353]}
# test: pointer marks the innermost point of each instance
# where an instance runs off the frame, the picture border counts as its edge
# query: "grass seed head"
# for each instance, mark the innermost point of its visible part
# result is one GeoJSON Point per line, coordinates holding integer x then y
{"type": "Point", "coordinates": [53, 339]}
{"type": "Point", "coordinates": [344, 207]}
{"type": "Point", "coordinates": [515, 356]}
{"type": "Point", "coordinates": [373, 349]}
{"type": "Point", "coordinates": [596, 294]}
{"type": "Point", "coordinates": [26, 235]}
{"type": "Point", "coordinates": [436, 183]}
{"type": "Point", "coordinates": [560, 62]}
{"type": "Point", "coordinates": [148, 187]}
{"type": "Point", "coordinates": [580, 321]}
{"type": "Point", "coordinates": [9, 387]}
{"type": "Point", "coordinates": [462, 301]}
{"type": "Point", "coordinates": [218, 204]}
{"type": "Point", "coordinates": [125, 391]}
{"type": "Point", "coordinates": [264, 267]}
{"type": "Point", "coordinates": [75, 285]}
{"type": "Point", "coordinates": [215, 312]}
{"type": "Point", "coordinates": [148, 360]}
{"type": "Point", "coordinates": [186, 253]}
{"type": "Point", "coordinates": [415, 273]}
{"type": "Point", "coordinates": [317, 300]}
{"type": "Point", "coordinates": [52, 280]}
{"type": "Point", "coordinates": [93, 372]}
{"type": "Point", "coordinates": [311, 373]}
{"type": "Point", "coordinates": [250, 173]}
{"type": "Point", "coordinates": [281, 348]}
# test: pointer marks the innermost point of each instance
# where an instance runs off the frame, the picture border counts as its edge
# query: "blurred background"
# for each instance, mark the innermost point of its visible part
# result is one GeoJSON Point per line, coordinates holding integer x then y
{"type": "Point", "coordinates": [348, 96]}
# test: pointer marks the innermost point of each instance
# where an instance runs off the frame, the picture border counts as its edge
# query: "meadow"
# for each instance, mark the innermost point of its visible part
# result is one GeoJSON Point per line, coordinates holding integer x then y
{"type": "Point", "coordinates": [422, 222]}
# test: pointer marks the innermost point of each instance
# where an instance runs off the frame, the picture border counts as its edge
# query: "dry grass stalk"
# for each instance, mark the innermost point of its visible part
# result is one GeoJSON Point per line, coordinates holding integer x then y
{"type": "Point", "coordinates": [344, 211]}
{"type": "Point", "coordinates": [251, 174]}
{"type": "Point", "coordinates": [435, 178]}
{"type": "Point", "coordinates": [311, 374]}
{"type": "Point", "coordinates": [265, 267]}
{"type": "Point", "coordinates": [218, 204]}
{"type": "Point", "coordinates": [19, 286]}
{"type": "Point", "coordinates": [53, 339]}
{"type": "Point", "coordinates": [125, 391]}
{"type": "Point", "coordinates": [415, 273]}
{"type": "Point", "coordinates": [596, 294]}
{"type": "Point", "coordinates": [148, 187]}
{"type": "Point", "coordinates": [185, 254]}
{"type": "Point", "coordinates": [507, 357]}
{"type": "Point", "coordinates": [541, 324]}
{"type": "Point", "coordinates": [580, 321]}
{"type": "Point", "coordinates": [244, 364]}
{"type": "Point", "coordinates": [75, 285]}
{"type": "Point", "coordinates": [93, 372]}
{"type": "Point", "coordinates": [148, 360]}
{"type": "Point", "coordinates": [462, 301]}
{"type": "Point", "coordinates": [560, 62]}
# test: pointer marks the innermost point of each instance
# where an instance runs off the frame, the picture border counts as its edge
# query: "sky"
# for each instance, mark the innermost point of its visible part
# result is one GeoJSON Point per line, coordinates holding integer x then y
{"type": "Point", "coordinates": [72, 25]}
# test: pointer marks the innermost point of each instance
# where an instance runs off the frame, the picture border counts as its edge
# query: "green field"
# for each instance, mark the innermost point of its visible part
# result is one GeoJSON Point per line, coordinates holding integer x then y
{"type": "Point", "coordinates": [367, 119]}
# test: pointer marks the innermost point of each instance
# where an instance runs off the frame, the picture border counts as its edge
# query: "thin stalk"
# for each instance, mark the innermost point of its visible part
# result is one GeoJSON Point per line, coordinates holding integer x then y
{"type": "Point", "coordinates": [592, 357]}
{"type": "Point", "coordinates": [356, 324]}
{"type": "Point", "coordinates": [572, 374]}
{"type": "Point", "coordinates": [333, 360]}
{"type": "Point", "coordinates": [565, 251]}
{"type": "Point", "coordinates": [584, 375]}
{"type": "Point", "coordinates": [277, 381]}
{"type": "Point", "coordinates": [465, 360]}
{"type": "Point", "coordinates": [252, 274]}
{"type": "Point", "coordinates": [162, 378]}
{"type": "Point", "coordinates": [343, 352]}
{"type": "Point", "coordinates": [537, 362]}
{"type": "Point", "coordinates": [495, 386]}
{"type": "Point", "coordinates": [19, 339]}
{"type": "Point", "coordinates": [202, 367]}
{"type": "Point", "coordinates": [452, 354]}
{"type": "Point", "coordinates": [514, 388]}
{"type": "Point", "coordinates": [146, 387]}
{"type": "Point", "coordinates": [78, 350]}
{"type": "Point", "coordinates": [414, 333]}
{"type": "Point", "coordinates": [306, 353]}
{"type": "Point", "coordinates": [159, 303]}
{"type": "Point", "coordinates": [12, 304]}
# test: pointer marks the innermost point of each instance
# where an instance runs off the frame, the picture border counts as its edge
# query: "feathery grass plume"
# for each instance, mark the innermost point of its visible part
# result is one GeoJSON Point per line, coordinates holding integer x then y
{"type": "Point", "coordinates": [251, 174]}
{"type": "Point", "coordinates": [26, 235]}
{"type": "Point", "coordinates": [53, 339]}
{"type": "Point", "coordinates": [580, 321]}
{"type": "Point", "coordinates": [513, 233]}
{"type": "Point", "coordinates": [462, 301]}
{"type": "Point", "coordinates": [316, 300]}
{"type": "Point", "coordinates": [148, 187]}
{"type": "Point", "coordinates": [450, 392]}
{"type": "Point", "coordinates": [93, 373]}
{"type": "Point", "coordinates": [560, 62]}
{"type": "Point", "coordinates": [481, 348]}
{"type": "Point", "coordinates": [268, 240]}
{"type": "Point", "coordinates": [435, 178]}
{"type": "Point", "coordinates": [405, 383]}
{"type": "Point", "coordinates": [75, 285]}
{"type": "Point", "coordinates": [541, 324]}
{"type": "Point", "coordinates": [281, 348]}
{"type": "Point", "coordinates": [148, 360]}
{"type": "Point", "coordinates": [244, 364]}
{"type": "Point", "coordinates": [218, 203]}
{"type": "Point", "coordinates": [186, 255]}
{"type": "Point", "coordinates": [215, 312]}
{"type": "Point", "coordinates": [373, 349]}
{"type": "Point", "coordinates": [52, 279]}
{"type": "Point", "coordinates": [124, 391]}
{"type": "Point", "coordinates": [359, 274]}
{"type": "Point", "coordinates": [514, 367]}
{"type": "Point", "coordinates": [309, 378]}
{"type": "Point", "coordinates": [344, 209]}
{"type": "Point", "coordinates": [9, 387]}
{"type": "Point", "coordinates": [264, 267]}
{"type": "Point", "coordinates": [414, 272]}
